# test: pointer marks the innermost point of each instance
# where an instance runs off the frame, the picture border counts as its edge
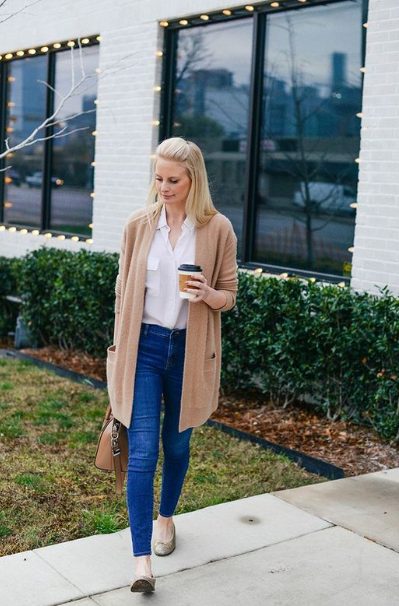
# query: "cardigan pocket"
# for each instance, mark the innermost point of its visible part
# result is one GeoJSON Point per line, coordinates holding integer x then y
{"type": "Point", "coordinates": [153, 276]}
{"type": "Point", "coordinates": [210, 363]}
{"type": "Point", "coordinates": [111, 354]}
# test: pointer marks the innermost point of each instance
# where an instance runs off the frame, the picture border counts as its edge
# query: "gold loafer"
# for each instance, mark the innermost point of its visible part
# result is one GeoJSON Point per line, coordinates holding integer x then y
{"type": "Point", "coordinates": [143, 583]}
{"type": "Point", "coordinates": [163, 549]}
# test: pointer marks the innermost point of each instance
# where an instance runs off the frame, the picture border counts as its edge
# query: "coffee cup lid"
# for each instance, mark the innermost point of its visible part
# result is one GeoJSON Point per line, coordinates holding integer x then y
{"type": "Point", "coordinates": [188, 267]}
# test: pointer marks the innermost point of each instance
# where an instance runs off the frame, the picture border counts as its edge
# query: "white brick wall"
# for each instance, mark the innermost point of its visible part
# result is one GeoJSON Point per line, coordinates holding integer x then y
{"type": "Point", "coordinates": [376, 254]}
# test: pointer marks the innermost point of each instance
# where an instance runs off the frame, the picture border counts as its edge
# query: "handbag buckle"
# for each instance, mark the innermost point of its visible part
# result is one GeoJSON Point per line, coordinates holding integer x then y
{"type": "Point", "coordinates": [115, 438]}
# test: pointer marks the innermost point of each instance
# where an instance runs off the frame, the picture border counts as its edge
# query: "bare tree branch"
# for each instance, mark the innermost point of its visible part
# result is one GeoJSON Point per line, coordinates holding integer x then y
{"type": "Point", "coordinates": [23, 8]}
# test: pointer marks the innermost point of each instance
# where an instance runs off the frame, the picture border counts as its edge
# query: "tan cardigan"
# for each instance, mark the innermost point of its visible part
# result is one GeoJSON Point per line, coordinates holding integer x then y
{"type": "Point", "coordinates": [215, 251]}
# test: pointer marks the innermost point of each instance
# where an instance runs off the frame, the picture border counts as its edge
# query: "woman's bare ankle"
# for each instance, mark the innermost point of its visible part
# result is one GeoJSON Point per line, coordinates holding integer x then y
{"type": "Point", "coordinates": [164, 521]}
{"type": "Point", "coordinates": [143, 565]}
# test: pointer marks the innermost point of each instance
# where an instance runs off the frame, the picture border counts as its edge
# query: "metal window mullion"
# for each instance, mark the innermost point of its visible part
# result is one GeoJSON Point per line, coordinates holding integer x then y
{"type": "Point", "coordinates": [168, 84]}
{"type": "Point", "coordinates": [254, 133]}
{"type": "Point", "coordinates": [48, 146]}
{"type": "Point", "coordinates": [3, 118]}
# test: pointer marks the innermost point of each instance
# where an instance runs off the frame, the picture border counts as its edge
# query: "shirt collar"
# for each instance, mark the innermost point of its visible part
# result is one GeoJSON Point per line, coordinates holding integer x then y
{"type": "Point", "coordinates": [187, 223]}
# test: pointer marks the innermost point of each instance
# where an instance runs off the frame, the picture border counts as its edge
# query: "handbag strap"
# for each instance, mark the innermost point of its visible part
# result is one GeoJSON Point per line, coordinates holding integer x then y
{"type": "Point", "coordinates": [120, 475]}
{"type": "Point", "coordinates": [116, 453]}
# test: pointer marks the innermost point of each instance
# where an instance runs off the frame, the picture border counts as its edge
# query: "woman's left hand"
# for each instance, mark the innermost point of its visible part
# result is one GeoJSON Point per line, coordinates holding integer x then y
{"type": "Point", "coordinates": [200, 288]}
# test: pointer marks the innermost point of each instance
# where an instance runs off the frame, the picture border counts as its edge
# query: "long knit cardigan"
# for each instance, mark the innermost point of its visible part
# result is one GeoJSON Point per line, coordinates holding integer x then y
{"type": "Point", "coordinates": [215, 252]}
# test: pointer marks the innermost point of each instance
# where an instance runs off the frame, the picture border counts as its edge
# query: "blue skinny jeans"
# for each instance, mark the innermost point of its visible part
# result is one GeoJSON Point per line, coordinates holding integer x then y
{"type": "Point", "coordinates": [159, 372]}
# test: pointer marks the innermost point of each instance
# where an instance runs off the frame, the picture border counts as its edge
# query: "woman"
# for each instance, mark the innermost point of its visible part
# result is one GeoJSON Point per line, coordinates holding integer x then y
{"type": "Point", "coordinates": [165, 345]}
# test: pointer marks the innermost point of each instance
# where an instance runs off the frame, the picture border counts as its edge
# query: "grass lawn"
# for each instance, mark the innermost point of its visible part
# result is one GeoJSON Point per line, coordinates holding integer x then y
{"type": "Point", "coordinates": [50, 490]}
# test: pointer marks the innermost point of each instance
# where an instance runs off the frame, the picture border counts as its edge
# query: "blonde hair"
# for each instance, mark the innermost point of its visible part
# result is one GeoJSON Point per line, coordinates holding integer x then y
{"type": "Point", "coordinates": [199, 205]}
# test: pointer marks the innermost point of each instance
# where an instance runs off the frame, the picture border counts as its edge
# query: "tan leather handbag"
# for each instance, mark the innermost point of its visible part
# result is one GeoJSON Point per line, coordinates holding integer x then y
{"type": "Point", "coordinates": [112, 449]}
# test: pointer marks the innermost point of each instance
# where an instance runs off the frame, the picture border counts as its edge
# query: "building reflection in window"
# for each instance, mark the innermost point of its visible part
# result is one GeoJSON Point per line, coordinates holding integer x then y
{"type": "Point", "coordinates": [310, 138]}
{"type": "Point", "coordinates": [211, 106]}
{"type": "Point", "coordinates": [72, 157]}
{"type": "Point", "coordinates": [26, 103]}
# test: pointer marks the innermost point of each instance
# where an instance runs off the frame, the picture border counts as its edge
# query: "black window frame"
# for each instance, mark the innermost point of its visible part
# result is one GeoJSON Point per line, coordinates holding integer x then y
{"type": "Point", "coordinates": [45, 220]}
{"type": "Point", "coordinates": [260, 15]}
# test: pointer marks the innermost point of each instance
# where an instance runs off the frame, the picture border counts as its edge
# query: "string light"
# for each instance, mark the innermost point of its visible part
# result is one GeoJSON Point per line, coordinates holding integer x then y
{"type": "Point", "coordinates": [70, 43]}
{"type": "Point", "coordinates": [57, 45]}
{"type": "Point", "coordinates": [351, 249]}
{"type": "Point", "coordinates": [249, 8]}
{"type": "Point", "coordinates": [75, 238]}
{"type": "Point", "coordinates": [12, 229]}
{"type": "Point", "coordinates": [93, 163]}
{"type": "Point", "coordinates": [204, 17]}
{"type": "Point", "coordinates": [20, 53]}
{"type": "Point", "coordinates": [48, 235]}
{"type": "Point", "coordinates": [23, 231]}
{"type": "Point", "coordinates": [357, 160]}
{"type": "Point", "coordinates": [341, 284]}
{"type": "Point", "coordinates": [44, 49]}
{"type": "Point", "coordinates": [35, 232]}
{"type": "Point", "coordinates": [365, 25]}
{"type": "Point", "coordinates": [159, 53]}
{"type": "Point", "coordinates": [183, 22]}
{"type": "Point", "coordinates": [275, 4]}
{"type": "Point", "coordinates": [359, 115]}
{"type": "Point", "coordinates": [353, 205]}
{"type": "Point", "coordinates": [157, 88]}
{"type": "Point", "coordinates": [94, 133]}
{"type": "Point", "coordinates": [90, 225]}
{"type": "Point", "coordinates": [226, 12]}
{"type": "Point", "coordinates": [164, 23]}
{"type": "Point", "coordinates": [363, 70]}
{"type": "Point", "coordinates": [89, 241]}
{"type": "Point", "coordinates": [99, 38]}
{"type": "Point", "coordinates": [8, 56]}
{"type": "Point", "coordinates": [92, 195]}
{"type": "Point", "coordinates": [85, 41]}
{"type": "Point", "coordinates": [61, 237]}
{"type": "Point", "coordinates": [156, 123]}
{"type": "Point", "coordinates": [2, 227]}
{"type": "Point", "coordinates": [32, 51]}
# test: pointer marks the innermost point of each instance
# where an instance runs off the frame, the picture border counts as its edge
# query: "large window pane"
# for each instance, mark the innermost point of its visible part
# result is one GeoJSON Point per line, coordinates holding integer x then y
{"type": "Point", "coordinates": [310, 138]}
{"type": "Point", "coordinates": [26, 102]}
{"type": "Point", "coordinates": [72, 173]}
{"type": "Point", "coordinates": [211, 106]}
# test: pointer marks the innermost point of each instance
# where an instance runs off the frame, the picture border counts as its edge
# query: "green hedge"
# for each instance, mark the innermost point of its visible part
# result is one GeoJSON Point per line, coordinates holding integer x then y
{"type": "Point", "coordinates": [293, 339]}
{"type": "Point", "coordinates": [287, 338]}
{"type": "Point", "coordinates": [8, 286]}
{"type": "Point", "coordinates": [68, 297]}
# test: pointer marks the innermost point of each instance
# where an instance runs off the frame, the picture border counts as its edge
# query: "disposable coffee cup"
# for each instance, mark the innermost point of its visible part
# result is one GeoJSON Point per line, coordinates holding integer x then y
{"type": "Point", "coordinates": [185, 271]}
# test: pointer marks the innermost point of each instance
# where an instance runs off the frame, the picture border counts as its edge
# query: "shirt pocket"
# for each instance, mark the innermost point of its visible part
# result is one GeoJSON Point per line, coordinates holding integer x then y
{"type": "Point", "coordinates": [153, 277]}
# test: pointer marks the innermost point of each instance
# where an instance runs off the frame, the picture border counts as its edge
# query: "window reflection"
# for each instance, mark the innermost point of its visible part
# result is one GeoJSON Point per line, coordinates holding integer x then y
{"type": "Point", "coordinates": [72, 173]}
{"type": "Point", "coordinates": [310, 138]}
{"type": "Point", "coordinates": [211, 106]}
{"type": "Point", "coordinates": [26, 101]}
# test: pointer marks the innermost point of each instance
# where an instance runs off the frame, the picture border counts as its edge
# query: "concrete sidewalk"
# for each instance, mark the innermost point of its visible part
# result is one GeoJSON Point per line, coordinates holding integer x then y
{"type": "Point", "coordinates": [333, 543]}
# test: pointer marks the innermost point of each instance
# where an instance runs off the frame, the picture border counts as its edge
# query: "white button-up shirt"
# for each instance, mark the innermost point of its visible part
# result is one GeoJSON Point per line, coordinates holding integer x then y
{"type": "Point", "coordinates": [163, 304]}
